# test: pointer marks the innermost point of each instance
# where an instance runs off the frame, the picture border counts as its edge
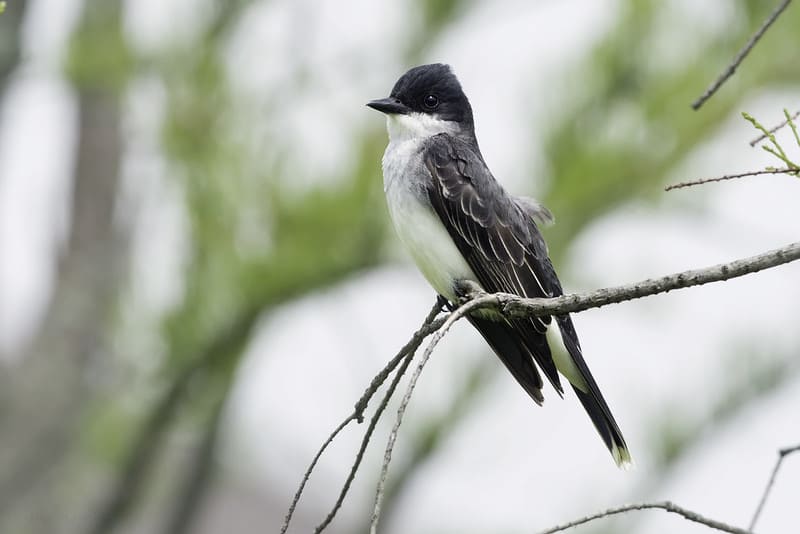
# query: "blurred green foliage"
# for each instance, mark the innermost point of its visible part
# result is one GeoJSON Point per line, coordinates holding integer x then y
{"type": "Point", "coordinates": [623, 121]}
{"type": "Point", "coordinates": [99, 59]}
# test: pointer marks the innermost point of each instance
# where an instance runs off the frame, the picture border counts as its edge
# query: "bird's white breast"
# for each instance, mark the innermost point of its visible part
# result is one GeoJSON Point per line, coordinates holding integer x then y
{"type": "Point", "coordinates": [417, 225]}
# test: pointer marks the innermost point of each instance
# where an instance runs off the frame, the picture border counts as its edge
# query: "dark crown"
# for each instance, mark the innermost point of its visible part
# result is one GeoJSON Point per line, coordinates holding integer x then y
{"type": "Point", "coordinates": [416, 87]}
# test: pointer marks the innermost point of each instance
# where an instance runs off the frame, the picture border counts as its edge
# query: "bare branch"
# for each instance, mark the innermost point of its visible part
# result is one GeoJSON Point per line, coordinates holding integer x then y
{"type": "Point", "coordinates": [307, 474]}
{"type": "Point", "coordinates": [387, 457]}
{"type": "Point", "coordinates": [728, 72]}
{"type": "Point", "coordinates": [365, 441]}
{"type": "Point", "coordinates": [782, 453]}
{"type": "Point", "coordinates": [701, 181]}
{"type": "Point", "coordinates": [429, 325]}
{"type": "Point", "coordinates": [665, 505]}
{"type": "Point", "coordinates": [774, 129]}
{"type": "Point", "coordinates": [515, 306]}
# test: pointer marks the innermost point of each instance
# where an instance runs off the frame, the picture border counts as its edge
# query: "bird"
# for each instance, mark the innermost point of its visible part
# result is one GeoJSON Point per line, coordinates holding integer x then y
{"type": "Point", "coordinates": [463, 229]}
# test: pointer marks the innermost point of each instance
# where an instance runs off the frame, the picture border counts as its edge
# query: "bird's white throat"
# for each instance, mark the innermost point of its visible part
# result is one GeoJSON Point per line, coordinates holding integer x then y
{"type": "Point", "coordinates": [418, 126]}
{"type": "Point", "coordinates": [417, 225]}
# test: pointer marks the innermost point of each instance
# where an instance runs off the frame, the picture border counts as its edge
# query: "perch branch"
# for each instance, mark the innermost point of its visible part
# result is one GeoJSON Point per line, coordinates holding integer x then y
{"type": "Point", "coordinates": [515, 306]}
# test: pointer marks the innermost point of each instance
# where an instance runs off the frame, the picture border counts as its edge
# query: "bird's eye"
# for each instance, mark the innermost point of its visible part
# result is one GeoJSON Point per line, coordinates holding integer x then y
{"type": "Point", "coordinates": [430, 101]}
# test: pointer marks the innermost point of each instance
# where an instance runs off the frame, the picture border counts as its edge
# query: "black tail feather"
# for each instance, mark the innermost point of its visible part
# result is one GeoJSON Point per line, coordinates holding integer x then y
{"type": "Point", "coordinates": [592, 400]}
{"type": "Point", "coordinates": [606, 427]}
{"type": "Point", "coordinates": [512, 353]}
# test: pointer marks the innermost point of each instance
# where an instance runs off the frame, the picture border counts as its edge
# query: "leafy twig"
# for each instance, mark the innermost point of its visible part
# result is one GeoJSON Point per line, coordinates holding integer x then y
{"type": "Point", "coordinates": [728, 72]}
{"type": "Point", "coordinates": [778, 151]}
{"type": "Point", "coordinates": [790, 122]}
{"type": "Point", "coordinates": [774, 129]}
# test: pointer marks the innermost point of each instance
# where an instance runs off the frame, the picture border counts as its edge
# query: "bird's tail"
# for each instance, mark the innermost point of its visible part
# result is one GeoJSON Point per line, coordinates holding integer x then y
{"type": "Point", "coordinates": [606, 427]}
{"type": "Point", "coordinates": [588, 393]}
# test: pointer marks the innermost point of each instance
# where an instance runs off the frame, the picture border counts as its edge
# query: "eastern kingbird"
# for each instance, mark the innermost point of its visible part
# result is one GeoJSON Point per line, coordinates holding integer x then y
{"type": "Point", "coordinates": [461, 226]}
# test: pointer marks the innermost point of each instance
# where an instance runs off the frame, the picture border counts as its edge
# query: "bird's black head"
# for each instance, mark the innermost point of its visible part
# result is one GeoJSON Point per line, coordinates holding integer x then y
{"type": "Point", "coordinates": [430, 89]}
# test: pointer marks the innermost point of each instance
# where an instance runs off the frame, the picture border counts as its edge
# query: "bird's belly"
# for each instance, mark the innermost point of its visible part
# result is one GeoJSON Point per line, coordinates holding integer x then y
{"type": "Point", "coordinates": [428, 242]}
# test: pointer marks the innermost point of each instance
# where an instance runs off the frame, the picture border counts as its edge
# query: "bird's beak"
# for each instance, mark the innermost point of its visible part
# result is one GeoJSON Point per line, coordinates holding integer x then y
{"type": "Point", "coordinates": [390, 106]}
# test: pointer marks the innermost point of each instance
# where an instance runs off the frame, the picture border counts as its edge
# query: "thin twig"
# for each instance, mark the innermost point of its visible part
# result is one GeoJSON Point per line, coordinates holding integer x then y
{"type": "Point", "coordinates": [307, 474]}
{"type": "Point", "coordinates": [429, 325]}
{"type": "Point", "coordinates": [387, 457]}
{"type": "Point", "coordinates": [516, 306]}
{"type": "Point", "coordinates": [679, 185]}
{"type": "Point", "coordinates": [665, 505]}
{"type": "Point", "coordinates": [728, 72]}
{"type": "Point", "coordinates": [782, 453]}
{"type": "Point", "coordinates": [763, 136]}
{"type": "Point", "coordinates": [365, 441]}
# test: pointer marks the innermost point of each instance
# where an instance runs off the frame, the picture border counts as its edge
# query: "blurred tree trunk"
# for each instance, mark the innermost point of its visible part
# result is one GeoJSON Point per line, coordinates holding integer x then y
{"type": "Point", "coordinates": [44, 395]}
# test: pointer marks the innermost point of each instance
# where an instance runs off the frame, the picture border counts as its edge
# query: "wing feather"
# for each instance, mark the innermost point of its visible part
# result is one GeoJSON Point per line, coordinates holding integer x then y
{"type": "Point", "coordinates": [495, 235]}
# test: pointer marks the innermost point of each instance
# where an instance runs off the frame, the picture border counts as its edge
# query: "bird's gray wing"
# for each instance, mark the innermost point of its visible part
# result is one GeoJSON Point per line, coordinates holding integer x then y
{"type": "Point", "coordinates": [498, 236]}
{"type": "Point", "coordinates": [500, 241]}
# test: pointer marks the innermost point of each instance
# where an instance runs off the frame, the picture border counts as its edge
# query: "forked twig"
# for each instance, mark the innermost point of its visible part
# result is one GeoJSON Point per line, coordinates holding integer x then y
{"type": "Point", "coordinates": [429, 325]}
{"type": "Point", "coordinates": [364, 442]}
{"type": "Point", "coordinates": [387, 457]}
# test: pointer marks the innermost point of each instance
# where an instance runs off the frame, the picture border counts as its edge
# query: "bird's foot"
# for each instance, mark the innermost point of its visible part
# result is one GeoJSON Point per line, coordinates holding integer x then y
{"type": "Point", "coordinates": [466, 290]}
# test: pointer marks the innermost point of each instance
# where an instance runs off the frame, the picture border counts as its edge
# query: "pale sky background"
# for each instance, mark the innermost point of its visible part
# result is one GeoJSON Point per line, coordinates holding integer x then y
{"type": "Point", "coordinates": [510, 466]}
